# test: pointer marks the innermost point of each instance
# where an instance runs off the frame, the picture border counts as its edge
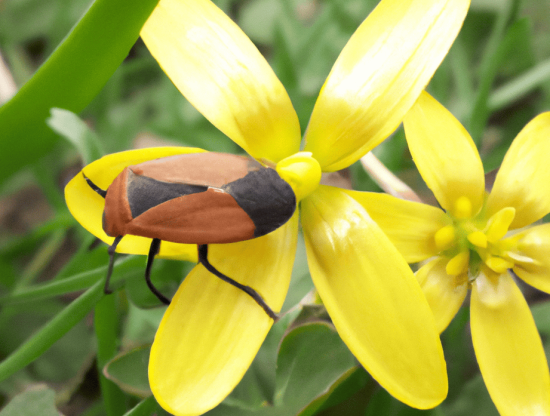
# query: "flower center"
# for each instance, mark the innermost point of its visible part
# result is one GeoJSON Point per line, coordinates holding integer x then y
{"type": "Point", "coordinates": [302, 172]}
{"type": "Point", "coordinates": [472, 241]}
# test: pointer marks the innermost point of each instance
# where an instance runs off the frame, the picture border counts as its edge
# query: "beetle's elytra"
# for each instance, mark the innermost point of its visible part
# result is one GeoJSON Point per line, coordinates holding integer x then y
{"type": "Point", "coordinates": [196, 198]}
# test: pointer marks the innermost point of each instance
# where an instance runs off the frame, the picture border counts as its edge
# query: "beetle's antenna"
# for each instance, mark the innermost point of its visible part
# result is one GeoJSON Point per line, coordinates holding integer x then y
{"type": "Point", "coordinates": [153, 251]}
{"type": "Point", "coordinates": [96, 188]}
{"type": "Point", "coordinates": [203, 254]}
{"type": "Point", "coordinates": [111, 251]}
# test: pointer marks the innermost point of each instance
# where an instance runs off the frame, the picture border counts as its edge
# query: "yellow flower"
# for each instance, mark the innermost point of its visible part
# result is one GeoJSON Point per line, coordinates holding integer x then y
{"type": "Point", "coordinates": [211, 331]}
{"type": "Point", "coordinates": [479, 242]}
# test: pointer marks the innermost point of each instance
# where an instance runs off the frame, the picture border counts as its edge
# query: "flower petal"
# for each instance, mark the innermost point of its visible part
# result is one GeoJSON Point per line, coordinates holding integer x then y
{"type": "Point", "coordinates": [445, 293]}
{"type": "Point", "coordinates": [87, 206]}
{"type": "Point", "coordinates": [523, 181]}
{"type": "Point", "coordinates": [211, 331]}
{"type": "Point", "coordinates": [508, 347]}
{"type": "Point", "coordinates": [534, 245]}
{"type": "Point", "coordinates": [373, 298]}
{"type": "Point", "coordinates": [219, 70]}
{"type": "Point", "coordinates": [378, 76]}
{"type": "Point", "coordinates": [445, 154]}
{"type": "Point", "coordinates": [410, 226]}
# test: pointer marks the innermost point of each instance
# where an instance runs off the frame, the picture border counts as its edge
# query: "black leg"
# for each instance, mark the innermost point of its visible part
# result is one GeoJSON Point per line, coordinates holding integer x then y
{"type": "Point", "coordinates": [96, 188]}
{"type": "Point", "coordinates": [153, 251]}
{"type": "Point", "coordinates": [111, 251]}
{"type": "Point", "coordinates": [203, 259]}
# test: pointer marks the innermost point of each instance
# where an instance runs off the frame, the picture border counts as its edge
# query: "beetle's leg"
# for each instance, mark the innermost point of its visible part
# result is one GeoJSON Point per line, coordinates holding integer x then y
{"type": "Point", "coordinates": [111, 251]}
{"type": "Point", "coordinates": [203, 259]}
{"type": "Point", "coordinates": [153, 251]}
{"type": "Point", "coordinates": [96, 188]}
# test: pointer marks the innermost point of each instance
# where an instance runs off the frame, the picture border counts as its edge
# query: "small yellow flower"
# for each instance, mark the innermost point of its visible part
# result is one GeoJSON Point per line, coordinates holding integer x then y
{"type": "Point", "coordinates": [479, 242]}
{"type": "Point", "coordinates": [211, 331]}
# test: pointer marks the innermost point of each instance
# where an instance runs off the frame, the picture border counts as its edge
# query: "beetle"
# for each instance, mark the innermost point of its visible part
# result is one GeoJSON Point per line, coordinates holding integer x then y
{"type": "Point", "coordinates": [196, 198]}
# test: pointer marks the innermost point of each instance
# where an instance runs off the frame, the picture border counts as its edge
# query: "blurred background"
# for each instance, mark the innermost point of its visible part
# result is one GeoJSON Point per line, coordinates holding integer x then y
{"type": "Point", "coordinates": [494, 80]}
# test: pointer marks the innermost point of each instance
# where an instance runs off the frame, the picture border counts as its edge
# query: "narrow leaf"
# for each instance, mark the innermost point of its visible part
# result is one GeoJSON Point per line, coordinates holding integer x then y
{"type": "Point", "coordinates": [69, 79]}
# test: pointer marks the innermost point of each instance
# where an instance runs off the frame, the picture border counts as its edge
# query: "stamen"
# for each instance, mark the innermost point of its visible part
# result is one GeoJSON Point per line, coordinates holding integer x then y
{"type": "Point", "coordinates": [478, 239]}
{"type": "Point", "coordinates": [498, 264]}
{"type": "Point", "coordinates": [445, 237]}
{"type": "Point", "coordinates": [463, 208]}
{"type": "Point", "coordinates": [499, 223]}
{"type": "Point", "coordinates": [458, 264]}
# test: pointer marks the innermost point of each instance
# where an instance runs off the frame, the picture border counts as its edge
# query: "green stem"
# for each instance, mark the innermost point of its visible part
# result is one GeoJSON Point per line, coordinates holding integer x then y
{"type": "Point", "coordinates": [106, 329]}
{"type": "Point", "coordinates": [51, 332]}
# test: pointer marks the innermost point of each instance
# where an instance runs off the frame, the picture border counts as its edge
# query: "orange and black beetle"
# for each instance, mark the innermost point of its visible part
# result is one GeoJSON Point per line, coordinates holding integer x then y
{"type": "Point", "coordinates": [196, 198]}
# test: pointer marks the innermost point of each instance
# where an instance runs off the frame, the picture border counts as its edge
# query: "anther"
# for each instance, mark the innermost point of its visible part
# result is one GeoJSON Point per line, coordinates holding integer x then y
{"type": "Point", "coordinates": [498, 264]}
{"type": "Point", "coordinates": [463, 208]}
{"type": "Point", "coordinates": [499, 223]}
{"type": "Point", "coordinates": [445, 237]}
{"type": "Point", "coordinates": [478, 239]}
{"type": "Point", "coordinates": [458, 264]}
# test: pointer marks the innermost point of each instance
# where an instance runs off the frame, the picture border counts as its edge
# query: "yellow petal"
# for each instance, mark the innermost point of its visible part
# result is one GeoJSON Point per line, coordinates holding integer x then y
{"type": "Point", "coordinates": [445, 156]}
{"type": "Point", "coordinates": [410, 226]}
{"type": "Point", "coordinates": [373, 298]}
{"type": "Point", "coordinates": [534, 246]}
{"type": "Point", "coordinates": [219, 70]}
{"type": "Point", "coordinates": [87, 206]}
{"type": "Point", "coordinates": [211, 331]}
{"type": "Point", "coordinates": [378, 76]}
{"type": "Point", "coordinates": [445, 293]}
{"type": "Point", "coordinates": [508, 348]}
{"type": "Point", "coordinates": [523, 181]}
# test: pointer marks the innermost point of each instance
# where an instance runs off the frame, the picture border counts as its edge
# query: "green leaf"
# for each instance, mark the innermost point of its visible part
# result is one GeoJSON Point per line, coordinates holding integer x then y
{"type": "Point", "coordinates": [312, 358]}
{"type": "Point", "coordinates": [106, 330]}
{"type": "Point", "coordinates": [301, 283]}
{"type": "Point", "coordinates": [258, 19]}
{"type": "Point", "coordinates": [144, 408]}
{"type": "Point", "coordinates": [349, 395]}
{"type": "Point", "coordinates": [258, 384]}
{"type": "Point", "coordinates": [541, 313]}
{"type": "Point", "coordinates": [520, 86]}
{"type": "Point", "coordinates": [300, 377]}
{"type": "Point", "coordinates": [71, 127]}
{"type": "Point", "coordinates": [126, 267]}
{"type": "Point", "coordinates": [51, 332]}
{"type": "Point", "coordinates": [129, 371]}
{"type": "Point", "coordinates": [38, 400]}
{"type": "Point", "coordinates": [382, 403]}
{"type": "Point", "coordinates": [69, 79]}
{"type": "Point", "coordinates": [480, 110]}
{"type": "Point", "coordinates": [70, 355]}
{"type": "Point", "coordinates": [474, 399]}
{"type": "Point", "coordinates": [166, 276]}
